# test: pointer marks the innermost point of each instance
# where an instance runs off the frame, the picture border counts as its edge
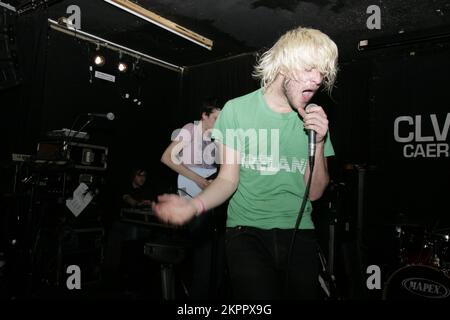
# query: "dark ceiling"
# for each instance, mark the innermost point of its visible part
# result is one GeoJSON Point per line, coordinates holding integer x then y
{"type": "Point", "coordinates": [239, 26]}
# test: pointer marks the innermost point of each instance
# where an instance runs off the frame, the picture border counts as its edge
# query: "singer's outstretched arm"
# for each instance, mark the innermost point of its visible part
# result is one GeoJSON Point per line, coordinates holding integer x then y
{"type": "Point", "coordinates": [178, 210]}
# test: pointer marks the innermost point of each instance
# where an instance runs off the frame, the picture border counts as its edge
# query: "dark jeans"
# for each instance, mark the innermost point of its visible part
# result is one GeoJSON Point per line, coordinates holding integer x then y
{"type": "Point", "coordinates": [207, 236]}
{"type": "Point", "coordinates": [257, 262]}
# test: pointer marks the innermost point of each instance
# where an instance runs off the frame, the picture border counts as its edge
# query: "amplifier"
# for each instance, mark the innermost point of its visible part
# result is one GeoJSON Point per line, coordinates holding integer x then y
{"type": "Point", "coordinates": [82, 155]}
{"type": "Point", "coordinates": [83, 248]}
{"type": "Point", "coordinates": [63, 183]}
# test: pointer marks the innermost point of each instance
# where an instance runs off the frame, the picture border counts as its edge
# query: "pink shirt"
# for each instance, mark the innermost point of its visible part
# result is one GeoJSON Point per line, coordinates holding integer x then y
{"type": "Point", "coordinates": [198, 149]}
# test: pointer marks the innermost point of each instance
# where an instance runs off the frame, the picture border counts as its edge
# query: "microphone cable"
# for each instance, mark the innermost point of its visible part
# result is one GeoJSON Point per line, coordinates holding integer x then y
{"type": "Point", "coordinates": [297, 223]}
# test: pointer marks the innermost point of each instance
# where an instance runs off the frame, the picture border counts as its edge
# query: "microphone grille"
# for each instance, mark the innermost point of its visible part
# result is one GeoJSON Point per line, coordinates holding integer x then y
{"type": "Point", "coordinates": [110, 116]}
{"type": "Point", "coordinates": [310, 106]}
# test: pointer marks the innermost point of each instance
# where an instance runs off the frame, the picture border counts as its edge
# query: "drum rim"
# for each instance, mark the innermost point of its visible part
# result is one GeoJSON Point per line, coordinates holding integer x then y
{"type": "Point", "coordinates": [387, 282]}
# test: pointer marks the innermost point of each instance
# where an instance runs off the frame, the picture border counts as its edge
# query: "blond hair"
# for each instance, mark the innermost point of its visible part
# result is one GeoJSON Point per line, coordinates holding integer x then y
{"type": "Point", "coordinates": [300, 48]}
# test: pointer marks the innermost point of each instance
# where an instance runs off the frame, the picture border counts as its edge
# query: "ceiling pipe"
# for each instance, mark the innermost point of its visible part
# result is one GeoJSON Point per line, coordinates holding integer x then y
{"type": "Point", "coordinates": [64, 28]}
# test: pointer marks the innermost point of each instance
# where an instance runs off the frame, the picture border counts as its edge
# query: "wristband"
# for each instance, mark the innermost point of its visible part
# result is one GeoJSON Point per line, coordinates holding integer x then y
{"type": "Point", "coordinates": [202, 206]}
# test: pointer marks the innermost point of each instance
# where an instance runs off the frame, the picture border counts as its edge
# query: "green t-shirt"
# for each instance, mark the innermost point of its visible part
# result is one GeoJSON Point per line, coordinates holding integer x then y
{"type": "Point", "coordinates": [274, 153]}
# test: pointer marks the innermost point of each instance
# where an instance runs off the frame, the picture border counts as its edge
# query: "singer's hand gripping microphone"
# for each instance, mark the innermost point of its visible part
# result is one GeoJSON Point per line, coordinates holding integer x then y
{"type": "Point", "coordinates": [311, 140]}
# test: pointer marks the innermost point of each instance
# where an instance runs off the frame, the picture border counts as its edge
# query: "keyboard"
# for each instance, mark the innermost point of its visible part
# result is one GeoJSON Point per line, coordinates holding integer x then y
{"type": "Point", "coordinates": [143, 216]}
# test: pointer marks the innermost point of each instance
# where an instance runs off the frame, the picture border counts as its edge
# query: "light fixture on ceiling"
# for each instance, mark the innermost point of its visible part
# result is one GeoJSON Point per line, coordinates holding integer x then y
{"type": "Point", "coordinates": [104, 43]}
{"type": "Point", "coordinates": [135, 66]}
{"type": "Point", "coordinates": [152, 17]}
{"type": "Point", "coordinates": [122, 66]}
{"type": "Point", "coordinates": [99, 59]}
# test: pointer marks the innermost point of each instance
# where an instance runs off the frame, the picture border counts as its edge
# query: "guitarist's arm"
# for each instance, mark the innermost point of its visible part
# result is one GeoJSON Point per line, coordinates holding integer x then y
{"type": "Point", "coordinates": [178, 210]}
{"type": "Point", "coordinates": [173, 150]}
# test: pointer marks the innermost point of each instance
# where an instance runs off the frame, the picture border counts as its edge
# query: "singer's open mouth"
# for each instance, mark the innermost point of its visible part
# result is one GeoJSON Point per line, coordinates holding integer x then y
{"type": "Point", "coordinates": [307, 94]}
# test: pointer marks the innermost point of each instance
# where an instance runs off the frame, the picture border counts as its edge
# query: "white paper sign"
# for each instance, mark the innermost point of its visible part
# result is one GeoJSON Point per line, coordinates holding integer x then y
{"type": "Point", "coordinates": [81, 198]}
{"type": "Point", "coordinates": [105, 76]}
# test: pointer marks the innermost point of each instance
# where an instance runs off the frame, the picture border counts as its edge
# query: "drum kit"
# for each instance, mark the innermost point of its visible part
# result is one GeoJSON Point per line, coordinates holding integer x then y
{"type": "Point", "coordinates": [423, 264]}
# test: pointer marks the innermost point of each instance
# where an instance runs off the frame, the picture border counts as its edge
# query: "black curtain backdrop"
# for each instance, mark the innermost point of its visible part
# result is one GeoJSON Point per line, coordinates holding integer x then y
{"type": "Point", "coordinates": [405, 186]}
{"type": "Point", "coordinates": [411, 183]}
{"type": "Point", "coordinates": [22, 104]}
{"type": "Point", "coordinates": [226, 79]}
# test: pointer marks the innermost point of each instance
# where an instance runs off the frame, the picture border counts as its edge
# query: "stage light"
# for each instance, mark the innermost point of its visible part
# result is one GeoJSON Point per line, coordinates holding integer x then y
{"type": "Point", "coordinates": [99, 60]}
{"type": "Point", "coordinates": [96, 40]}
{"type": "Point", "coordinates": [122, 66]}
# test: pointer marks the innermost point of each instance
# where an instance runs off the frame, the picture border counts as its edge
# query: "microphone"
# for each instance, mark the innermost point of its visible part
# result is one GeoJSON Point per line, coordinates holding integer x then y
{"type": "Point", "coordinates": [311, 139]}
{"type": "Point", "coordinates": [110, 116]}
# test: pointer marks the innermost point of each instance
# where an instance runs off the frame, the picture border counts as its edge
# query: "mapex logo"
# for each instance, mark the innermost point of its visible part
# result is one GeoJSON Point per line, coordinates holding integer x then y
{"type": "Point", "coordinates": [426, 288]}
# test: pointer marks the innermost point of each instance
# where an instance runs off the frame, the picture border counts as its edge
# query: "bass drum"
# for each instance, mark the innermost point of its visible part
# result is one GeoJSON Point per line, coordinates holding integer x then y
{"type": "Point", "coordinates": [417, 282]}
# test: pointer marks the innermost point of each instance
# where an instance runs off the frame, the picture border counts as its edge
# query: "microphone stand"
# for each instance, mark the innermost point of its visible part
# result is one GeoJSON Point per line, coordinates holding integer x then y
{"type": "Point", "coordinates": [334, 206]}
{"type": "Point", "coordinates": [70, 138]}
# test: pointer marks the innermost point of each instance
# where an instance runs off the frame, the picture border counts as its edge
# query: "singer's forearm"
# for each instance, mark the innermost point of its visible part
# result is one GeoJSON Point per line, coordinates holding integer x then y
{"type": "Point", "coordinates": [320, 178]}
{"type": "Point", "coordinates": [226, 182]}
{"type": "Point", "coordinates": [217, 192]}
